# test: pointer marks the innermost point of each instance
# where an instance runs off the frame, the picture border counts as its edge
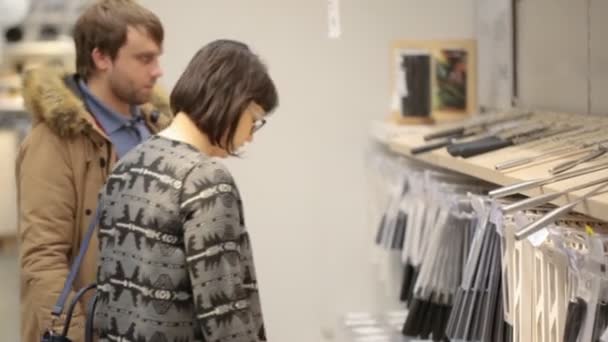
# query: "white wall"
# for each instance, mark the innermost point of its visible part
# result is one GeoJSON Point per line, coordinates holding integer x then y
{"type": "Point", "coordinates": [552, 75]}
{"type": "Point", "coordinates": [567, 71]}
{"type": "Point", "coordinates": [304, 180]}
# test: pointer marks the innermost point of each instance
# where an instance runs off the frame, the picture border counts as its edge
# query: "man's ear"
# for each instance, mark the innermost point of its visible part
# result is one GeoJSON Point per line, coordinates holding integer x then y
{"type": "Point", "coordinates": [102, 60]}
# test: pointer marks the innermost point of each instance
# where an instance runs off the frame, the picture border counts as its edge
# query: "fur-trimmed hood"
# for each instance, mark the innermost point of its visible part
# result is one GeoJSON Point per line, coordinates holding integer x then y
{"type": "Point", "coordinates": [50, 96]}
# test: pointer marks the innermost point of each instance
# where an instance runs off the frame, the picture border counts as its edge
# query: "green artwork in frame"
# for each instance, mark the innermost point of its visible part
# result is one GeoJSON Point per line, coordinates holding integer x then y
{"type": "Point", "coordinates": [451, 80]}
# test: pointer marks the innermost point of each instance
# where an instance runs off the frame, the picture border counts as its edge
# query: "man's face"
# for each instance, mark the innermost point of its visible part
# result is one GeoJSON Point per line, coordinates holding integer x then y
{"type": "Point", "coordinates": [135, 69]}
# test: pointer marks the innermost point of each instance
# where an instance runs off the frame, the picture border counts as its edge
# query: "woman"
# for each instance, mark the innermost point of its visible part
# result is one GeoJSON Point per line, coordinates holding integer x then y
{"type": "Point", "coordinates": [175, 258]}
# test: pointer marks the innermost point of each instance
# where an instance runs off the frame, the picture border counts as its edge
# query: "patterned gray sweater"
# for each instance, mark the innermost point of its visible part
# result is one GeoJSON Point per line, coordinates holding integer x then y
{"type": "Point", "coordinates": [175, 257]}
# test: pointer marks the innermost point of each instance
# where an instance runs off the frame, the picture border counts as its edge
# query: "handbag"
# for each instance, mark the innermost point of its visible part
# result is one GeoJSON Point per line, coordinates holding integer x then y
{"type": "Point", "coordinates": [50, 335]}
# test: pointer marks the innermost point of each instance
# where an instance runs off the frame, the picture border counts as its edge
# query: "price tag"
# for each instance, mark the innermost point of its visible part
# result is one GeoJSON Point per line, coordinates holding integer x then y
{"type": "Point", "coordinates": [333, 16]}
{"type": "Point", "coordinates": [539, 237]}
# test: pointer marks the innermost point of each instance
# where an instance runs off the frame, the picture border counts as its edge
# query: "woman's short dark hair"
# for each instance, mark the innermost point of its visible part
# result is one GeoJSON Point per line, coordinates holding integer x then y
{"type": "Point", "coordinates": [220, 81]}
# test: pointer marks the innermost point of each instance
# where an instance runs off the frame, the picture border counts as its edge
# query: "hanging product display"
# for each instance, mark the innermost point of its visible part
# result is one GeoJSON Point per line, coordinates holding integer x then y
{"type": "Point", "coordinates": [477, 314]}
{"type": "Point", "coordinates": [475, 270]}
{"type": "Point", "coordinates": [440, 272]}
{"type": "Point", "coordinates": [431, 219]}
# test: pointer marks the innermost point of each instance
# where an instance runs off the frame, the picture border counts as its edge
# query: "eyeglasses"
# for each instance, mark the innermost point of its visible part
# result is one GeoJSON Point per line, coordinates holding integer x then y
{"type": "Point", "coordinates": [257, 125]}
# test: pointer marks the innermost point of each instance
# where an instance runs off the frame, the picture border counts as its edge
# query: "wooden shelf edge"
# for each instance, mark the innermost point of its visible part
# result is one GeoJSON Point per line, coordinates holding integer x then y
{"type": "Point", "coordinates": [596, 207]}
{"type": "Point", "coordinates": [454, 164]}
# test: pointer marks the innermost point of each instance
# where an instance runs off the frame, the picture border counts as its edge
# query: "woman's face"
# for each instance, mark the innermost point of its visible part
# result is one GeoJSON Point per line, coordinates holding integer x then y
{"type": "Point", "coordinates": [251, 120]}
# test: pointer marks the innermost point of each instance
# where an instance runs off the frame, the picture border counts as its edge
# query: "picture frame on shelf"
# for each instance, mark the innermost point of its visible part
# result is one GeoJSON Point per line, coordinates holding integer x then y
{"type": "Point", "coordinates": [433, 80]}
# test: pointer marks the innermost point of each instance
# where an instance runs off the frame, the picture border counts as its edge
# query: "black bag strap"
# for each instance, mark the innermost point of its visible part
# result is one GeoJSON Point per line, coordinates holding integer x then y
{"type": "Point", "coordinates": [67, 287]}
{"type": "Point", "coordinates": [73, 303]}
{"type": "Point", "coordinates": [89, 326]}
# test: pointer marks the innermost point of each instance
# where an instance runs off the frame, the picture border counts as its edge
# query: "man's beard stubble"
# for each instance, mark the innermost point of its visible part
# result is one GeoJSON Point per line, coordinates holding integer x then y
{"type": "Point", "coordinates": [128, 93]}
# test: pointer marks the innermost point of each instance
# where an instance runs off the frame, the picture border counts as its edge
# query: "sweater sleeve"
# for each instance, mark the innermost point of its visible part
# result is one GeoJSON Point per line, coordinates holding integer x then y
{"type": "Point", "coordinates": [218, 256]}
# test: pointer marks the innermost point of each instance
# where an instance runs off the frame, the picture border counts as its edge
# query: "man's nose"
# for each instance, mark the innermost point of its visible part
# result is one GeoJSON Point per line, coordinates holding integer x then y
{"type": "Point", "coordinates": [157, 71]}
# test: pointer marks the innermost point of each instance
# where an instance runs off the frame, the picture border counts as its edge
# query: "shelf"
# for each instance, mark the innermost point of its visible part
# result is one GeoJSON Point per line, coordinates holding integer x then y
{"type": "Point", "coordinates": [12, 106]}
{"type": "Point", "coordinates": [59, 47]}
{"type": "Point", "coordinates": [482, 167]}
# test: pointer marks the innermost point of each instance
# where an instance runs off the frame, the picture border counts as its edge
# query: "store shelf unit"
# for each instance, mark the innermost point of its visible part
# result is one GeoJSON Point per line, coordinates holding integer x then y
{"type": "Point", "coordinates": [538, 280]}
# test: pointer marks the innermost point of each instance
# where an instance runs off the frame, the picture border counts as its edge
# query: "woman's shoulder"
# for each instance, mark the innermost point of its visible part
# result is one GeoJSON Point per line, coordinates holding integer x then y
{"type": "Point", "coordinates": [210, 169]}
{"type": "Point", "coordinates": [207, 180]}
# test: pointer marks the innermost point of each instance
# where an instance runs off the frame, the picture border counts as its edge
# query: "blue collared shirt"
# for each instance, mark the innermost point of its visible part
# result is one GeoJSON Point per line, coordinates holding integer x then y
{"type": "Point", "coordinates": [124, 133]}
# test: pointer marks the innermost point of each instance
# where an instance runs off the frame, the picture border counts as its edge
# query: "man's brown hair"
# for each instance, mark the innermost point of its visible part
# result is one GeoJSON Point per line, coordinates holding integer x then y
{"type": "Point", "coordinates": [218, 85]}
{"type": "Point", "coordinates": [104, 25]}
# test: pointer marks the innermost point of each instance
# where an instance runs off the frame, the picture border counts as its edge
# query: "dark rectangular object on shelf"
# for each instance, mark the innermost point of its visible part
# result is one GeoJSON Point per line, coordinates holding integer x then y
{"type": "Point", "coordinates": [417, 71]}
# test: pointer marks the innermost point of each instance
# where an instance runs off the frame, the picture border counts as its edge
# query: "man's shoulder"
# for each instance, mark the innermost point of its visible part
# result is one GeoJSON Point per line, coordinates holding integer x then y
{"type": "Point", "coordinates": [52, 99]}
{"type": "Point", "coordinates": [41, 131]}
{"type": "Point", "coordinates": [41, 135]}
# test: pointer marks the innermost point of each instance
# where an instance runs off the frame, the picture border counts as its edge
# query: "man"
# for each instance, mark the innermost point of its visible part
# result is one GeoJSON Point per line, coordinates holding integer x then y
{"type": "Point", "coordinates": [82, 123]}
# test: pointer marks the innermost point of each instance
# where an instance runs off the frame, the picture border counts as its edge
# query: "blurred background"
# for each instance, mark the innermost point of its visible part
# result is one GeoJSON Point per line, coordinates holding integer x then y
{"type": "Point", "coordinates": [305, 180]}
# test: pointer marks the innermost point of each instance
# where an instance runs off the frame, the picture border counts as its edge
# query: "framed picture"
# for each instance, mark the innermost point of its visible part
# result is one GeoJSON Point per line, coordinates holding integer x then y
{"type": "Point", "coordinates": [433, 80]}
